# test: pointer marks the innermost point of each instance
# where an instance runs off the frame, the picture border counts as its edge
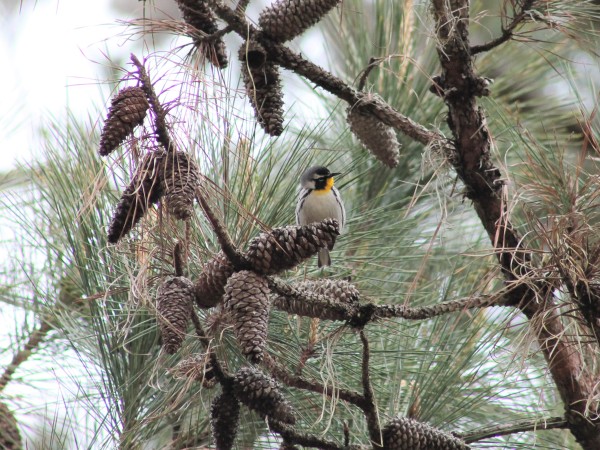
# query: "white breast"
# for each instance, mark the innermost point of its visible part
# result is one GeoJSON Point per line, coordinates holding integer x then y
{"type": "Point", "coordinates": [316, 206]}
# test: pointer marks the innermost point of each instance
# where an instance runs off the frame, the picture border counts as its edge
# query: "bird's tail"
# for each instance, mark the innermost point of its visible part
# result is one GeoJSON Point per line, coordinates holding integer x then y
{"type": "Point", "coordinates": [324, 258]}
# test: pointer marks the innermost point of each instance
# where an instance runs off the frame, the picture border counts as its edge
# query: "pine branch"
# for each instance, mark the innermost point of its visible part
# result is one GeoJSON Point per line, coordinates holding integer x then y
{"type": "Point", "coordinates": [36, 337]}
{"type": "Point", "coordinates": [289, 434]}
{"type": "Point", "coordinates": [299, 382]}
{"type": "Point", "coordinates": [160, 124]}
{"type": "Point", "coordinates": [227, 245]}
{"type": "Point", "coordinates": [221, 375]}
{"type": "Point", "coordinates": [369, 408]}
{"type": "Point", "coordinates": [474, 166]}
{"type": "Point", "coordinates": [508, 32]}
{"type": "Point", "coordinates": [283, 56]}
{"type": "Point", "coordinates": [546, 423]}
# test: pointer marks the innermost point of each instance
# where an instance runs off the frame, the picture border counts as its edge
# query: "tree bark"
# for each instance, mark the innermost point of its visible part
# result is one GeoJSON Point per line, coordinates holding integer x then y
{"type": "Point", "coordinates": [460, 87]}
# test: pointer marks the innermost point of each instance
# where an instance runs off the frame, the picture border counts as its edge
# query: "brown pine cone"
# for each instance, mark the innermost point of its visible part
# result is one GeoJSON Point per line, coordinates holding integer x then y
{"type": "Point", "coordinates": [197, 367]}
{"type": "Point", "coordinates": [284, 248]}
{"type": "Point", "coordinates": [10, 436]}
{"type": "Point", "coordinates": [324, 299]}
{"type": "Point", "coordinates": [174, 307]}
{"type": "Point", "coordinates": [247, 301]}
{"type": "Point", "coordinates": [198, 14]}
{"type": "Point", "coordinates": [261, 393]}
{"type": "Point", "coordinates": [376, 136]}
{"type": "Point", "coordinates": [286, 19]}
{"type": "Point", "coordinates": [403, 433]}
{"type": "Point", "coordinates": [263, 87]}
{"type": "Point", "coordinates": [224, 419]}
{"type": "Point", "coordinates": [143, 190]}
{"type": "Point", "coordinates": [210, 285]}
{"type": "Point", "coordinates": [127, 110]}
{"type": "Point", "coordinates": [180, 178]}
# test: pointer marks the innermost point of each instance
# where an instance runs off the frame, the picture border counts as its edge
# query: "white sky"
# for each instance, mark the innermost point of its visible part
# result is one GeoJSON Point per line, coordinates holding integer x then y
{"type": "Point", "coordinates": [53, 53]}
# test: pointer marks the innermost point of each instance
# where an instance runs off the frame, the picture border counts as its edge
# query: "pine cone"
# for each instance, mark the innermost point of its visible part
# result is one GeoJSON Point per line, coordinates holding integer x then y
{"type": "Point", "coordinates": [224, 419]}
{"type": "Point", "coordinates": [324, 299]}
{"type": "Point", "coordinates": [198, 14]}
{"type": "Point", "coordinates": [403, 433]}
{"type": "Point", "coordinates": [263, 87]}
{"type": "Point", "coordinates": [174, 308]}
{"type": "Point", "coordinates": [143, 191]}
{"type": "Point", "coordinates": [127, 110]}
{"type": "Point", "coordinates": [261, 393]}
{"type": "Point", "coordinates": [10, 436]}
{"type": "Point", "coordinates": [284, 248]}
{"type": "Point", "coordinates": [247, 300]}
{"type": "Point", "coordinates": [197, 367]}
{"type": "Point", "coordinates": [376, 136]}
{"type": "Point", "coordinates": [180, 178]}
{"type": "Point", "coordinates": [286, 19]}
{"type": "Point", "coordinates": [210, 285]}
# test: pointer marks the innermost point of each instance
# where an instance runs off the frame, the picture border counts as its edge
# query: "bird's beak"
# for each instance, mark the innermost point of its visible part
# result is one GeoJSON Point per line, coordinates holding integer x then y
{"type": "Point", "coordinates": [331, 175]}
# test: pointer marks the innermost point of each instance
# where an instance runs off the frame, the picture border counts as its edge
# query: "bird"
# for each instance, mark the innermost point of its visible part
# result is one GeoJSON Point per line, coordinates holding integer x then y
{"type": "Point", "coordinates": [318, 200]}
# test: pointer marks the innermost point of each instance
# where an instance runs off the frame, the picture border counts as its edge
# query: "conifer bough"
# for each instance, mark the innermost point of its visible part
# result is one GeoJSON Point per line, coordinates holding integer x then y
{"type": "Point", "coordinates": [127, 110]}
{"type": "Point", "coordinates": [174, 308]}
{"type": "Point", "coordinates": [247, 301]}
{"type": "Point", "coordinates": [286, 19]}
{"type": "Point", "coordinates": [144, 190]}
{"type": "Point", "coordinates": [403, 433]}
{"type": "Point", "coordinates": [284, 248]}
{"type": "Point", "coordinates": [263, 87]}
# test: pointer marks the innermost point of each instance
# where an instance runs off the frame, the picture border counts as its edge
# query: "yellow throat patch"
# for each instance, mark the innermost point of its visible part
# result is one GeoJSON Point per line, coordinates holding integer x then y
{"type": "Point", "coordinates": [327, 188]}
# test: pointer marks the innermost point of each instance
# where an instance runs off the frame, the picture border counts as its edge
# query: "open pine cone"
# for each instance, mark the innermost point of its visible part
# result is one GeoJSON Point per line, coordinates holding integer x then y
{"type": "Point", "coordinates": [198, 14]}
{"type": "Point", "coordinates": [403, 433]}
{"type": "Point", "coordinates": [247, 300]}
{"type": "Point", "coordinates": [376, 136]}
{"type": "Point", "coordinates": [127, 110]}
{"type": "Point", "coordinates": [224, 419]}
{"type": "Point", "coordinates": [181, 177]}
{"type": "Point", "coordinates": [263, 87]}
{"type": "Point", "coordinates": [324, 299]}
{"type": "Point", "coordinates": [261, 393]}
{"type": "Point", "coordinates": [284, 248]}
{"type": "Point", "coordinates": [286, 19]}
{"type": "Point", "coordinates": [174, 307]}
{"type": "Point", "coordinates": [143, 191]}
{"type": "Point", "coordinates": [210, 285]}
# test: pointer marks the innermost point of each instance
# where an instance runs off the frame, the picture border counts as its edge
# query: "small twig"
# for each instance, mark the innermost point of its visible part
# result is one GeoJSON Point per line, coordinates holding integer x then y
{"type": "Point", "coordinates": [373, 62]}
{"type": "Point", "coordinates": [240, 8]}
{"type": "Point", "coordinates": [178, 260]}
{"type": "Point", "coordinates": [217, 34]}
{"type": "Point", "coordinates": [369, 408]}
{"type": "Point", "coordinates": [288, 378]}
{"type": "Point", "coordinates": [291, 435]}
{"type": "Point", "coordinates": [222, 376]}
{"type": "Point", "coordinates": [236, 258]}
{"type": "Point", "coordinates": [507, 33]}
{"type": "Point", "coordinates": [547, 423]}
{"type": "Point", "coordinates": [160, 124]}
{"type": "Point", "coordinates": [35, 339]}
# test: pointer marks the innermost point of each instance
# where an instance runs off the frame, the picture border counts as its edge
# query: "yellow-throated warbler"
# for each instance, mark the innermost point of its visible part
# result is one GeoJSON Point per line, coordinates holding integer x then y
{"type": "Point", "coordinates": [319, 200]}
